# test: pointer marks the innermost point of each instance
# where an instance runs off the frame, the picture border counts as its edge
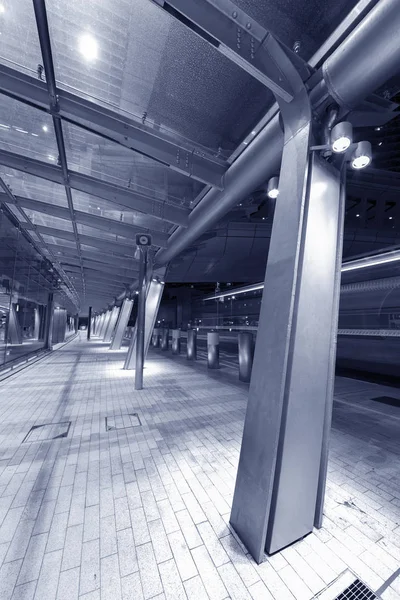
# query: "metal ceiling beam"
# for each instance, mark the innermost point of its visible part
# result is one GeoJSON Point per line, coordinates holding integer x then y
{"type": "Point", "coordinates": [369, 56]}
{"type": "Point", "coordinates": [149, 140]}
{"type": "Point", "coordinates": [128, 263]}
{"type": "Point", "coordinates": [178, 215]}
{"type": "Point", "coordinates": [106, 245]}
{"type": "Point", "coordinates": [95, 221]}
{"type": "Point", "coordinates": [111, 271]}
{"type": "Point", "coordinates": [240, 38]}
{"type": "Point", "coordinates": [45, 47]}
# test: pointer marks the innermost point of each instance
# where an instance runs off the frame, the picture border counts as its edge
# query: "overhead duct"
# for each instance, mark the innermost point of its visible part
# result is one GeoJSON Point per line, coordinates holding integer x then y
{"type": "Point", "coordinates": [366, 59]}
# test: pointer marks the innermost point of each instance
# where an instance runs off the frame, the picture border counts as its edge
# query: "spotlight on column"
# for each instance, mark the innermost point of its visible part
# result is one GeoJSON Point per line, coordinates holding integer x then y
{"type": "Point", "coordinates": [362, 155]}
{"type": "Point", "coordinates": [273, 187]}
{"type": "Point", "coordinates": [341, 137]}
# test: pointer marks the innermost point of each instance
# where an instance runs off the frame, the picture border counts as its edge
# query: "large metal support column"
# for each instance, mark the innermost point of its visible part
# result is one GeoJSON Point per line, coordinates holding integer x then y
{"type": "Point", "coordinates": [14, 332]}
{"type": "Point", "coordinates": [89, 323]}
{"type": "Point", "coordinates": [104, 324]}
{"type": "Point", "coordinates": [155, 290]}
{"type": "Point", "coordinates": [48, 332]}
{"type": "Point", "coordinates": [290, 393]}
{"type": "Point", "coordinates": [111, 324]}
{"type": "Point", "coordinates": [122, 323]}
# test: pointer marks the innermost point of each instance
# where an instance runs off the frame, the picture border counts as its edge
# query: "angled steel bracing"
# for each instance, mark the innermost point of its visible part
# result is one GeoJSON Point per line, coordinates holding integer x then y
{"type": "Point", "coordinates": [145, 139]}
{"type": "Point", "coordinates": [378, 32]}
{"type": "Point", "coordinates": [45, 47]}
{"type": "Point", "coordinates": [124, 197]}
{"type": "Point", "coordinates": [240, 38]}
{"type": "Point", "coordinates": [95, 221]}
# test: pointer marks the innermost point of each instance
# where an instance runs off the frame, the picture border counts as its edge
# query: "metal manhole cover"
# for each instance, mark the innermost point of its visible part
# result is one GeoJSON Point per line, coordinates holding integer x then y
{"type": "Point", "coordinates": [47, 431]}
{"type": "Point", "coordinates": [123, 421]}
{"type": "Point", "coordinates": [357, 591]}
{"type": "Point", "coordinates": [387, 400]}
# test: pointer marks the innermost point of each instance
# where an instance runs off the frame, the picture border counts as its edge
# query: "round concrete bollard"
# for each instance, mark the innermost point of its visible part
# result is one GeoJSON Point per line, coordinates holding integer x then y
{"type": "Point", "coordinates": [191, 347]}
{"type": "Point", "coordinates": [165, 338]}
{"type": "Point", "coordinates": [176, 341]}
{"type": "Point", "coordinates": [213, 350]}
{"type": "Point", "coordinates": [246, 353]}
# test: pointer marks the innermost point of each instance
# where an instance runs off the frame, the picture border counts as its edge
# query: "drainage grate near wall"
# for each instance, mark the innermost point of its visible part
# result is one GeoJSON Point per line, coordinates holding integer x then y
{"type": "Point", "coordinates": [387, 400]}
{"type": "Point", "coordinates": [123, 421]}
{"type": "Point", "coordinates": [357, 591]}
{"type": "Point", "coordinates": [47, 431]}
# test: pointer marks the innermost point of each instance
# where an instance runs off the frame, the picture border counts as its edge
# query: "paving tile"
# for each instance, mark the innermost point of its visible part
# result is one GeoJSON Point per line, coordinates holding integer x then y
{"type": "Point", "coordinates": [49, 575]}
{"type": "Point", "coordinates": [149, 574]}
{"type": "Point", "coordinates": [110, 578]}
{"type": "Point", "coordinates": [132, 587]}
{"type": "Point", "coordinates": [128, 563]}
{"type": "Point", "coordinates": [210, 577]}
{"type": "Point", "coordinates": [33, 558]}
{"type": "Point", "coordinates": [162, 549]}
{"type": "Point", "coordinates": [182, 555]}
{"type": "Point", "coordinates": [68, 585]}
{"type": "Point", "coordinates": [90, 567]}
{"type": "Point", "coordinates": [173, 588]}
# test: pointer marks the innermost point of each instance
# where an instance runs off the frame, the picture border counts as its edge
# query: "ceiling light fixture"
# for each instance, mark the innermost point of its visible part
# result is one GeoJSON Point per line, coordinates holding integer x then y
{"type": "Point", "coordinates": [2, 9]}
{"type": "Point", "coordinates": [362, 155]}
{"type": "Point", "coordinates": [341, 137]}
{"type": "Point", "coordinates": [273, 188]}
{"type": "Point", "coordinates": [45, 128]}
{"type": "Point", "coordinates": [88, 47]}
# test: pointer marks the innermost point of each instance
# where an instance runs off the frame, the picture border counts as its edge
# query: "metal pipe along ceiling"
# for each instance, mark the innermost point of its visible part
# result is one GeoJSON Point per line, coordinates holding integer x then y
{"type": "Point", "coordinates": [363, 62]}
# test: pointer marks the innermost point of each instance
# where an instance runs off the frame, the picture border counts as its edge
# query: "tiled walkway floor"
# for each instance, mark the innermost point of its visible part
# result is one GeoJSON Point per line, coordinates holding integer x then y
{"type": "Point", "coordinates": [142, 512]}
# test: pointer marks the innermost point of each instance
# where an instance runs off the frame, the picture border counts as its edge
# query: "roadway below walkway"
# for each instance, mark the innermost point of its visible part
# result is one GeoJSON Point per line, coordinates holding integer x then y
{"type": "Point", "coordinates": [111, 494]}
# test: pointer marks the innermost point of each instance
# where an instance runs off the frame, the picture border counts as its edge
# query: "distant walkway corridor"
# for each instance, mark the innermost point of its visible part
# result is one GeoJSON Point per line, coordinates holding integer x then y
{"type": "Point", "coordinates": [111, 494]}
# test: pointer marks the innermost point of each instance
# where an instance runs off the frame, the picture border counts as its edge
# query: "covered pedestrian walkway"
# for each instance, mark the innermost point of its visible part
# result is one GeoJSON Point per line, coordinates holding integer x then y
{"type": "Point", "coordinates": [107, 493]}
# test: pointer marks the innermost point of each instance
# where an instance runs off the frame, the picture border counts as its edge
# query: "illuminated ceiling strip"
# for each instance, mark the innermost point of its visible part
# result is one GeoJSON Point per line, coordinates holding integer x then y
{"type": "Point", "coordinates": [362, 263]}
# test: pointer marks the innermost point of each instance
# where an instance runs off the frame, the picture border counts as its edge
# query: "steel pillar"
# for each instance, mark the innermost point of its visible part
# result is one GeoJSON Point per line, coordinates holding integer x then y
{"type": "Point", "coordinates": [213, 350]}
{"type": "Point", "coordinates": [285, 429]}
{"type": "Point", "coordinates": [111, 324]}
{"type": "Point", "coordinates": [154, 293]}
{"type": "Point", "coordinates": [105, 322]}
{"type": "Point", "coordinates": [48, 333]}
{"type": "Point", "coordinates": [122, 323]}
{"type": "Point", "coordinates": [89, 324]}
{"type": "Point", "coordinates": [14, 333]}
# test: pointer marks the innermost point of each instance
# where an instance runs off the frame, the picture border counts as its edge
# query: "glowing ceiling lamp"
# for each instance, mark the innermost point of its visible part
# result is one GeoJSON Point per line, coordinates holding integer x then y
{"type": "Point", "coordinates": [88, 47]}
{"type": "Point", "coordinates": [362, 155]}
{"type": "Point", "coordinates": [341, 137]}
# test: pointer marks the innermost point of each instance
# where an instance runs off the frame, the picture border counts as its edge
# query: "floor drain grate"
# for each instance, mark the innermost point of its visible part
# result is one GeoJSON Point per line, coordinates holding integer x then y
{"type": "Point", "coordinates": [47, 431]}
{"type": "Point", "coordinates": [357, 591]}
{"type": "Point", "coordinates": [123, 421]}
{"type": "Point", "coordinates": [387, 400]}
